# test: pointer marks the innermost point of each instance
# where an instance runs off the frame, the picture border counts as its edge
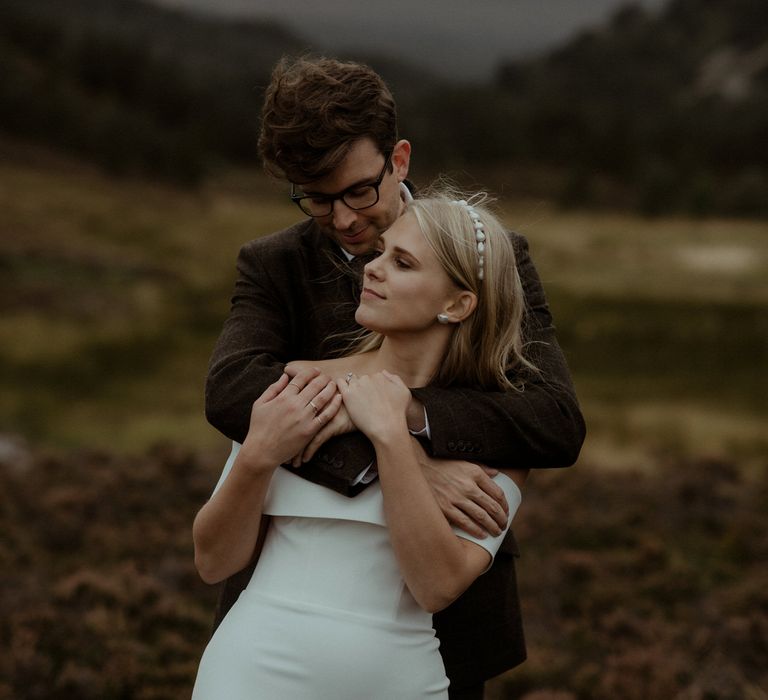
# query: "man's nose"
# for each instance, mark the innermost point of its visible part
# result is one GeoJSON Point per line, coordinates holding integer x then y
{"type": "Point", "coordinates": [343, 216]}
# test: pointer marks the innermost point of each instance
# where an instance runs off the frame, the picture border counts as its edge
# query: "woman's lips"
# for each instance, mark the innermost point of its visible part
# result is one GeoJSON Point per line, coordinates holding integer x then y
{"type": "Point", "coordinates": [370, 294]}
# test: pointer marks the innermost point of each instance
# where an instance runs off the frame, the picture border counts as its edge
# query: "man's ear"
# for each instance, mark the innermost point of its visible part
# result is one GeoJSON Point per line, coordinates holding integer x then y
{"type": "Point", "coordinates": [401, 159]}
{"type": "Point", "coordinates": [461, 307]}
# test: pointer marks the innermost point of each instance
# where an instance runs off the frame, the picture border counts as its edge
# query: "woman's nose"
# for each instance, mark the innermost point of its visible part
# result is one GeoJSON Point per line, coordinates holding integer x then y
{"type": "Point", "coordinates": [372, 269]}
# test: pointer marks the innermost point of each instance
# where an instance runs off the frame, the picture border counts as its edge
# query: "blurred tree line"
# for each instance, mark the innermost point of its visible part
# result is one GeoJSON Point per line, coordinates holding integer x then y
{"type": "Point", "coordinates": [659, 112]}
{"type": "Point", "coordinates": [673, 108]}
{"type": "Point", "coordinates": [133, 87]}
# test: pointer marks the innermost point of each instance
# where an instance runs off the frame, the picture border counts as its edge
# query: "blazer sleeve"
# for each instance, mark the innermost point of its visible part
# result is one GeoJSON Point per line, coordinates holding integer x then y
{"type": "Point", "coordinates": [250, 352]}
{"type": "Point", "coordinates": [539, 426]}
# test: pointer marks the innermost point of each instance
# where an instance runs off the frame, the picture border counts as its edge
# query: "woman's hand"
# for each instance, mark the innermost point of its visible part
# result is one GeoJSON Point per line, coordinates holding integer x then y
{"type": "Point", "coordinates": [376, 403]}
{"type": "Point", "coordinates": [293, 367]}
{"type": "Point", "coordinates": [286, 417]}
{"type": "Point", "coordinates": [339, 424]}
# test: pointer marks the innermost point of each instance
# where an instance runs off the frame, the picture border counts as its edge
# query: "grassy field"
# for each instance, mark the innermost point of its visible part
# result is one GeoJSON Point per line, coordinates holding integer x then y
{"type": "Point", "coordinates": [113, 293]}
{"type": "Point", "coordinates": [642, 574]}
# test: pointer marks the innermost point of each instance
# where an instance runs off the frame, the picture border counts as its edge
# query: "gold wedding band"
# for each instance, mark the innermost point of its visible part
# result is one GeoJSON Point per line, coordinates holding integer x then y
{"type": "Point", "coordinates": [314, 408]}
{"type": "Point", "coordinates": [296, 385]}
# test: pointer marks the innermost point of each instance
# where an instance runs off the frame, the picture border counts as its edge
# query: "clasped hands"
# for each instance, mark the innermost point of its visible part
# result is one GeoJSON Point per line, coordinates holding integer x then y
{"type": "Point", "coordinates": [304, 408]}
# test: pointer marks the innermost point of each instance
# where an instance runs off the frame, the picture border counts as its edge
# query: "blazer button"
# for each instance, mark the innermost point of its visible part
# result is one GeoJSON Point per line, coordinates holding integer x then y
{"type": "Point", "coordinates": [452, 446]}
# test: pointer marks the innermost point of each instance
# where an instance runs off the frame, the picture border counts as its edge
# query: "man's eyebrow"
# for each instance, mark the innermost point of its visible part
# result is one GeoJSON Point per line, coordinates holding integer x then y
{"type": "Point", "coordinates": [357, 183]}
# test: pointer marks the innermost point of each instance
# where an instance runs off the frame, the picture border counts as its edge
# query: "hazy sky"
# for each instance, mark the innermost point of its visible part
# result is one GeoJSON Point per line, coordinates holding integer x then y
{"type": "Point", "coordinates": [463, 38]}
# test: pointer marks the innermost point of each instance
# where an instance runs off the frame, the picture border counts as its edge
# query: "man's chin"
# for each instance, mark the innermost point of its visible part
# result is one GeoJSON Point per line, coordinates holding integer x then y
{"type": "Point", "coordinates": [362, 242]}
{"type": "Point", "coordinates": [361, 248]}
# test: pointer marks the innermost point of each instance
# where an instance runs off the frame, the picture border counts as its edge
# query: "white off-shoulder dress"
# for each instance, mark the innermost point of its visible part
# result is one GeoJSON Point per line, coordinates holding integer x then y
{"type": "Point", "coordinates": [326, 614]}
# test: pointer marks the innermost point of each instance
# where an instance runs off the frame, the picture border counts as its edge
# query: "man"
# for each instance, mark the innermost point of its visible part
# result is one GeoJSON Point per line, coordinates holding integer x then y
{"type": "Point", "coordinates": [330, 130]}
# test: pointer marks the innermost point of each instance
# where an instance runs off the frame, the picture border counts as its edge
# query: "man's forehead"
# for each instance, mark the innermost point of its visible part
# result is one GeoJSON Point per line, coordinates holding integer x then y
{"type": "Point", "coordinates": [361, 165]}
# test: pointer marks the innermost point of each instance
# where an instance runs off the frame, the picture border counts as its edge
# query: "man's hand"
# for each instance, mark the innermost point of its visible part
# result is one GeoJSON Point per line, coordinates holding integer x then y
{"type": "Point", "coordinates": [415, 415]}
{"type": "Point", "coordinates": [466, 493]}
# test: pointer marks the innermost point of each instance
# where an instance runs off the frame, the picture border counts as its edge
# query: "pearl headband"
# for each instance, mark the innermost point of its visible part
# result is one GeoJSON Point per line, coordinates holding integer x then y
{"type": "Point", "coordinates": [479, 236]}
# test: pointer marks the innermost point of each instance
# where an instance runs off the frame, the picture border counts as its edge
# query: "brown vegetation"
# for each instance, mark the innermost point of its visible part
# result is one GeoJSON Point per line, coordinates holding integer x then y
{"type": "Point", "coordinates": [634, 586]}
{"type": "Point", "coordinates": [100, 597]}
{"type": "Point", "coordinates": [646, 586]}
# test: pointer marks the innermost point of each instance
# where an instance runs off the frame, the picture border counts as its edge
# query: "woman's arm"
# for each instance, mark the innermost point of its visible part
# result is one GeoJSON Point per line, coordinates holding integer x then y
{"type": "Point", "coordinates": [283, 419]}
{"type": "Point", "coordinates": [437, 565]}
{"type": "Point", "coordinates": [227, 527]}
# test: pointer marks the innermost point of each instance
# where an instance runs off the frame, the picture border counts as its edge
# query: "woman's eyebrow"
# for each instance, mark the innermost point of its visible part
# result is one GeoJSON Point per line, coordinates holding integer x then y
{"type": "Point", "coordinates": [382, 243]}
{"type": "Point", "coordinates": [403, 251]}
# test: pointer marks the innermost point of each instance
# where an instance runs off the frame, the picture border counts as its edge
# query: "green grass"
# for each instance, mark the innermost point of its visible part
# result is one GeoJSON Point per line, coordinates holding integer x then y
{"type": "Point", "coordinates": [113, 293]}
{"type": "Point", "coordinates": [663, 322]}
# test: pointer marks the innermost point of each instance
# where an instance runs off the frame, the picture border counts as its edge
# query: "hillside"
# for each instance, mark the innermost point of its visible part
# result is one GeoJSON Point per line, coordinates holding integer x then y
{"type": "Point", "coordinates": [658, 112]}
{"type": "Point", "coordinates": [140, 89]}
{"type": "Point", "coordinates": [672, 108]}
{"type": "Point", "coordinates": [133, 87]}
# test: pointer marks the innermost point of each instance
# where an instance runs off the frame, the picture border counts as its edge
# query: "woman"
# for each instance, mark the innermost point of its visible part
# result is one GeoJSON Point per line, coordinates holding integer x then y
{"type": "Point", "coordinates": [340, 603]}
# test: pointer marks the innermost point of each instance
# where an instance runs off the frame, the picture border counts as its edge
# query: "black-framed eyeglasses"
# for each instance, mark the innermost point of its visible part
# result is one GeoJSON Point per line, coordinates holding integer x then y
{"type": "Point", "coordinates": [355, 197]}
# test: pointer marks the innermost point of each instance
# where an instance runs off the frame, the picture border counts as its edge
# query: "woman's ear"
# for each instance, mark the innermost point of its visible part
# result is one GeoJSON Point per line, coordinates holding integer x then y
{"type": "Point", "coordinates": [462, 306]}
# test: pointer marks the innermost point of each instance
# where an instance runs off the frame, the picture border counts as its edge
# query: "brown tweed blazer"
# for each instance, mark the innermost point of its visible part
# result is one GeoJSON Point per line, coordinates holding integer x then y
{"type": "Point", "coordinates": [294, 296]}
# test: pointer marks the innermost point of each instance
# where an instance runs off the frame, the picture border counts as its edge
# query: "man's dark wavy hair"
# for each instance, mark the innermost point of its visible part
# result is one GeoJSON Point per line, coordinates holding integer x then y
{"type": "Point", "coordinates": [315, 109]}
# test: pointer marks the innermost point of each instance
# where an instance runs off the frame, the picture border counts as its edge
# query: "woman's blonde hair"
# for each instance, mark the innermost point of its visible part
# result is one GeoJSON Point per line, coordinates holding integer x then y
{"type": "Point", "coordinates": [487, 345]}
